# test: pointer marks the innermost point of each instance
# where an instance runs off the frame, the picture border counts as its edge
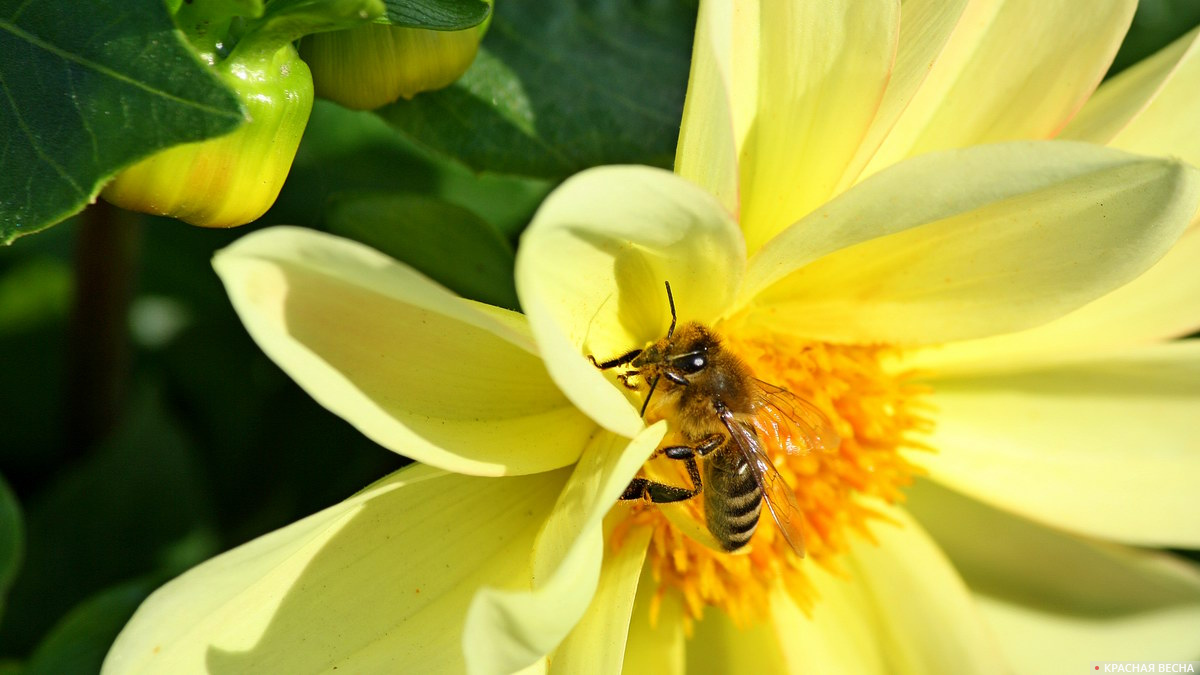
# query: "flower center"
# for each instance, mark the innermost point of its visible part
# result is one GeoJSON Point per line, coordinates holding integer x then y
{"type": "Point", "coordinates": [871, 409]}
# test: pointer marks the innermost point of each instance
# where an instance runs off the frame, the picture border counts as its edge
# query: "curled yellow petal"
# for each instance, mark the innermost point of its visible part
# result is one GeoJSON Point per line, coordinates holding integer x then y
{"type": "Point", "coordinates": [597, 642]}
{"type": "Point", "coordinates": [510, 628]}
{"type": "Point", "coordinates": [411, 365]}
{"type": "Point", "coordinates": [591, 268]}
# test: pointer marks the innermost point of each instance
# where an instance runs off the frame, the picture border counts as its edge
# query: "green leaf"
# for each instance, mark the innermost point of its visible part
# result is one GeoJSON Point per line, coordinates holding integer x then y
{"type": "Point", "coordinates": [447, 243]}
{"type": "Point", "coordinates": [12, 539]}
{"type": "Point", "coordinates": [558, 87]}
{"type": "Point", "coordinates": [437, 14]}
{"type": "Point", "coordinates": [78, 643]}
{"type": "Point", "coordinates": [89, 87]}
{"type": "Point", "coordinates": [133, 508]}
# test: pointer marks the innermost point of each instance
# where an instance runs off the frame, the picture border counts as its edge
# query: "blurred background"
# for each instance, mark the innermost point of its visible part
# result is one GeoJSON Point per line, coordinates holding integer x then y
{"type": "Point", "coordinates": [142, 431]}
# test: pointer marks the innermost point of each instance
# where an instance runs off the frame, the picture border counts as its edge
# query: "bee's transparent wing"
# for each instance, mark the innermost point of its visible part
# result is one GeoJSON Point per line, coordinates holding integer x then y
{"type": "Point", "coordinates": [781, 501]}
{"type": "Point", "coordinates": [790, 422]}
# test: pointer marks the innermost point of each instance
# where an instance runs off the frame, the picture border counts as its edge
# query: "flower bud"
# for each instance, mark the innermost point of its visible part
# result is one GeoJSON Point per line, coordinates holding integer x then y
{"type": "Point", "coordinates": [372, 65]}
{"type": "Point", "coordinates": [232, 179]}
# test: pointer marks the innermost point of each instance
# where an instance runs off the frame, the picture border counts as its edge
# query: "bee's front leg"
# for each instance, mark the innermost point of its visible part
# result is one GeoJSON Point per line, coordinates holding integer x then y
{"type": "Point", "coordinates": [623, 378]}
{"type": "Point", "coordinates": [613, 363]}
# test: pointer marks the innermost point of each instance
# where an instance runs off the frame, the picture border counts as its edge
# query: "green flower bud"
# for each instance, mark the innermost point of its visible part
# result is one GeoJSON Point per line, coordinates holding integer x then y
{"type": "Point", "coordinates": [233, 179]}
{"type": "Point", "coordinates": [372, 65]}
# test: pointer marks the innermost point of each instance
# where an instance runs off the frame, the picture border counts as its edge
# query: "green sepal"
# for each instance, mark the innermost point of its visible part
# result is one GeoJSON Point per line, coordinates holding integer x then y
{"type": "Point", "coordinates": [234, 179]}
{"type": "Point", "coordinates": [289, 20]}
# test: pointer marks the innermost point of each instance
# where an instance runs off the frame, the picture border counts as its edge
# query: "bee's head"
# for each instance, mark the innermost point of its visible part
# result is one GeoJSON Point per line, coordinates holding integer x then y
{"type": "Point", "coordinates": [679, 356]}
{"type": "Point", "coordinates": [678, 360]}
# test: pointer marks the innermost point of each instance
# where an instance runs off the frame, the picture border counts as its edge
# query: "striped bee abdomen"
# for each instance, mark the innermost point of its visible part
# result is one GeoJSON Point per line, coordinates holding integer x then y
{"type": "Point", "coordinates": [732, 498]}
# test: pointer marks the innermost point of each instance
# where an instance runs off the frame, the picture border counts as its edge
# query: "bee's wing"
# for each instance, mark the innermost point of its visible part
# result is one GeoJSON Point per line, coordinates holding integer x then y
{"type": "Point", "coordinates": [781, 501]}
{"type": "Point", "coordinates": [792, 423]}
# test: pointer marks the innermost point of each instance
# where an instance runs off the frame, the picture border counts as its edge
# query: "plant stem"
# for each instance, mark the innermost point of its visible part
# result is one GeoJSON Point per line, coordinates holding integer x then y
{"type": "Point", "coordinates": [107, 245]}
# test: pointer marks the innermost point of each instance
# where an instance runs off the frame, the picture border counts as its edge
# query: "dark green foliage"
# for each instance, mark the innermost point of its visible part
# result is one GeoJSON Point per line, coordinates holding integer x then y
{"type": "Point", "coordinates": [561, 86]}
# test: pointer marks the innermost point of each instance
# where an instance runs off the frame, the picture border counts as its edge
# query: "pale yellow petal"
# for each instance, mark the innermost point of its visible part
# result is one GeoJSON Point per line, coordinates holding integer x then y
{"type": "Point", "coordinates": [1107, 447]}
{"type": "Point", "coordinates": [926, 27]}
{"type": "Point", "coordinates": [746, 25]}
{"type": "Point", "coordinates": [1161, 304]}
{"type": "Point", "coordinates": [927, 620]}
{"type": "Point", "coordinates": [1170, 125]}
{"type": "Point", "coordinates": [901, 609]}
{"type": "Point", "coordinates": [1123, 98]}
{"type": "Point", "coordinates": [509, 628]}
{"type": "Point", "coordinates": [1039, 640]}
{"type": "Point", "coordinates": [707, 150]}
{"type": "Point", "coordinates": [718, 646]}
{"type": "Point", "coordinates": [822, 70]}
{"type": "Point", "coordinates": [597, 643]}
{"type": "Point", "coordinates": [1013, 69]}
{"type": "Point", "coordinates": [1050, 597]}
{"type": "Point", "coordinates": [415, 368]}
{"type": "Point", "coordinates": [656, 638]}
{"type": "Point", "coordinates": [378, 583]}
{"type": "Point", "coordinates": [841, 634]}
{"type": "Point", "coordinates": [973, 242]}
{"type": "Point", "coordinates": [591, 269]}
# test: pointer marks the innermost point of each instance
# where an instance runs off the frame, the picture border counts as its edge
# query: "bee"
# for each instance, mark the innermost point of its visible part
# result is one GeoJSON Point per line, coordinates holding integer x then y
{"type": "Point", "coordinates": [726, 417]}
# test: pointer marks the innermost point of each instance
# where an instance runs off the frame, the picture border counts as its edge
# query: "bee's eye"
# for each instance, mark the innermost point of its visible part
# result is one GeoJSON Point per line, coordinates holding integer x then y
{"type": "Point", "coordinates": [693, 363]}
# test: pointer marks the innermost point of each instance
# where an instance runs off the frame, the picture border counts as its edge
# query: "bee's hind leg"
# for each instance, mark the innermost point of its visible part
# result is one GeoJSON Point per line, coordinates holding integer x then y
{"type": "Point", "coordinates": [661, 493]}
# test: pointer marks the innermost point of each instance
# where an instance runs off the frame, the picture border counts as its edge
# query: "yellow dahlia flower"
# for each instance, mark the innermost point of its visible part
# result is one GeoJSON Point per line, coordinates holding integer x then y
{"type": "Point", "coordinates": [979, 313]}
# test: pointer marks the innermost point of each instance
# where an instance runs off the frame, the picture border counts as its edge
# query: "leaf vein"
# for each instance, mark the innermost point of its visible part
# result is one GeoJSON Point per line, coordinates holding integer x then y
{"type": "Point", "coordinates": [33, 139]}
{"type": "Point", "coordinates": [109, 72]}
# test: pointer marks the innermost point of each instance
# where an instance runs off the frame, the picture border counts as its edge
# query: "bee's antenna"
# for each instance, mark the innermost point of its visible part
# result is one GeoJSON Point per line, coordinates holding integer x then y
{"type": "Point", "coordinates": [671, 301]}
{"type": "Point", "coordinates": [653, 384]}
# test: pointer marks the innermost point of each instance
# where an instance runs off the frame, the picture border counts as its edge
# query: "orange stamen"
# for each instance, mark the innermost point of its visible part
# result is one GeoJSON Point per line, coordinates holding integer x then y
{"type": "Point", "coordinates": [872, 409]}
